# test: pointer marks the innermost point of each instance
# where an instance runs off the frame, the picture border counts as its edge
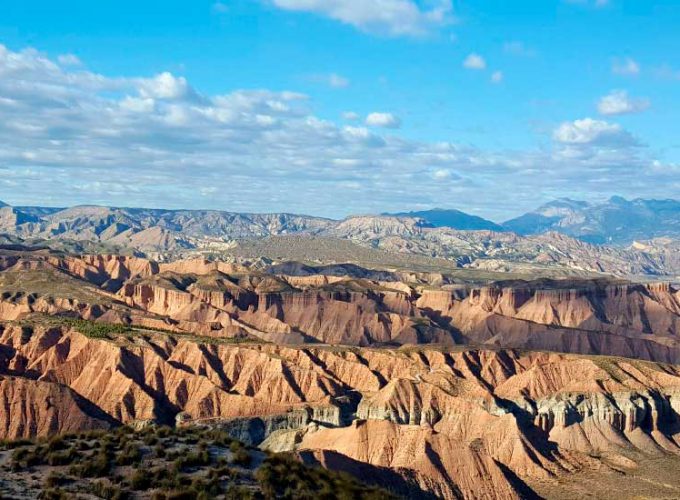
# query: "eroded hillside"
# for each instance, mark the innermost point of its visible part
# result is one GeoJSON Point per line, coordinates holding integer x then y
{"type": "Point", "coordinates": [423, 381]}
{"type": "Point", "coordinates": [516, 421]}
{"type": "Point", "coordinates": [345, 306]}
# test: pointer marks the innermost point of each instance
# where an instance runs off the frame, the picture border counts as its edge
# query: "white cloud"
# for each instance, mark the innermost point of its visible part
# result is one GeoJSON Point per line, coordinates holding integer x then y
{"type": "Point", "coordinates": [474, 61]}
{"type": "Point", "coordinates": [497, 77]}
{"type": "Point", "coordinates": [387, 120]}
{"type": "Point", "coordinates": [626, 66]}
{"type": "Point", "coordinates": [70, 136]}
{"type": "Point", "coordinates": [68, 60]}
{"type": "Point", "coordinates": [390, 17]}
{"type": "Point", "coordinates": [592, 132]}
{"type": "Point", "coordinates": [441, 174]}
{"type": "Point", "coordinates": [164, 86]}
{"type": "Point", "coordinates": [137, 104]}
{"type": "Point", "coordinates": [618, 102]}
{"type": "Point", "coordinates": [350, 116]}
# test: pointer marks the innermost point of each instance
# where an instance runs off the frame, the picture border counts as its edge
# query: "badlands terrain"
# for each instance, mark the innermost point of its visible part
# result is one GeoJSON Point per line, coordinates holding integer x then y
{"type": "Point", "coordinates": [428, 354]}
{"type": "Point", "coordinates": [448, 383]}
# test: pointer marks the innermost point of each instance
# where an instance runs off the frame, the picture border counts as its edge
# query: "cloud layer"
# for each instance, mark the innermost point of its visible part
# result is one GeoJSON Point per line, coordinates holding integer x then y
{"type": "Point", "coordinates": [68, 135]}
{"type": "Point", "coordinates": [388, 17]}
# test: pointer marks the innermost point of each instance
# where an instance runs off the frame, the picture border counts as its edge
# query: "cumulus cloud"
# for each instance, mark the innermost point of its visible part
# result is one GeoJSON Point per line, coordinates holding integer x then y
{"type": "Point", "coordinates": [69, 136]}
{"type": "Point", "coordinates": [589, 132]}
{"type": "Point", "coordinates": [474, 61]}
{"type": "Point", "coordinates": [618, 102]}
{"type": "Point", "coordinates": [626, 66]}
{"type": "Point", "coordinates": [389, 17]}
{"type": "Point", "coordinates": [387, 120]}
{"type": "Point", "coordinates": [497, 77]}
{"type": "Point", "coordinates": [164, 86]}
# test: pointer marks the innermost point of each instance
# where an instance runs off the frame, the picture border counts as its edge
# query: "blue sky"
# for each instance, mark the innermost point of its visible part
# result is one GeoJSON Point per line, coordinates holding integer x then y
{"type": "Point", "coordinates": [335, 107]}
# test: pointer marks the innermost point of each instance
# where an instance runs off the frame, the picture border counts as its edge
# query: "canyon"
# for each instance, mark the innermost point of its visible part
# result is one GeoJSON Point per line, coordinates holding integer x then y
{"type": "Point", "coordinates": [428, 383]}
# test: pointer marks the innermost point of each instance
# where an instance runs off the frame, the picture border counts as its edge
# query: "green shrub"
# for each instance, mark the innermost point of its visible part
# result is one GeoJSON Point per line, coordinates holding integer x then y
{"type": "Point", "coordinates": [150, 440]}
{"type": "Point", "coordinates": [54, 479]}
{"type": "Point", "coordinates": [95, 330]}
{"type": "Point", "coordinates": [235, 492]}
{"type": "Point", "coordinates": [241, 457]}
{"type": "Point", "coordinates": [282, 476]}
{"type": "Point", "coordinates": [26, 457]}
{"type": "Point", "coordinates": [96, 466]}
{"type": "Point", "coordinates": [66, 457]}
{"type": "Point", "coordinates": [54, 494]}
{"type": "Point", "coordinates": [141, 480]}
{"type": "Point", "coordinates": [107, 490]}
{"type": "Point", "coordinates": [56, 443]}
{"type": "Point", "coordinates": [130, 455]}
{"type": "Point", "coordinates": [189, 460]}
{"type": "Point", "coordinates": [6, 444]}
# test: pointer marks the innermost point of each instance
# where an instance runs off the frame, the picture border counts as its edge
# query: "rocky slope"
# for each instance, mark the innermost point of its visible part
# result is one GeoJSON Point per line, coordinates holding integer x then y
{"type": "Point", "coordinates": [346, 305]}
{"type": "Point", "coordinates": [329, 363]}
{"type": "Point", "coordinates": [515, 420]}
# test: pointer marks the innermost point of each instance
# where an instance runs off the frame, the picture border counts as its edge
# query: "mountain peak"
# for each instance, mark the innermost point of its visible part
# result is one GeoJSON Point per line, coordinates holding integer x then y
{"type": "Point", "coordinates": [618, 200]}
{"type": "Point", "coordinates": [450, 217]}
{"type": "Point", "coordinates": [616, 220]}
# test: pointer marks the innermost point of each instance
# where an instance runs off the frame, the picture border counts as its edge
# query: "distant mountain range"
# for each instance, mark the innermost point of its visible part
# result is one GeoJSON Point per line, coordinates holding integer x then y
{"type": "Point", "coordinates": [616, 221]}
{"type": "Point", "coordinates": [462, 240]}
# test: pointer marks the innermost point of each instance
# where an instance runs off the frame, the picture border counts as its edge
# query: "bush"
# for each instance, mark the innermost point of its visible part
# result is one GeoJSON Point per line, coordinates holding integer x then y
{"type": "Point", "coordinates": [54, 494]}
{"type": "Point", "coordinates": [95, 330]}
{"type": "Point", "coordinates": [25, 457]}
{"type": "Point", "coordinates": [163, 431]}
{"type": "Point", "coordinates": [235, 492]}
{"type": "Point", "coordinates": [192, 460]}
{"type": "Point", "coordinates": [107, 490]}
{"type": "Point", "coordinates": [150, 440]}
{"type": "Point", "coordinates": [57, 443]}
{"type": "Point", "coordinates": [6, 444]}
{"type": "Point", "coordinates": [54, 479]}
{"type": "Point", "coordinates": [281, 476]}
{"type": "Point", "coordinates": [129, 455]}
{"type": "Point", "coordinates": [63, 457]}
{"type": "Point", "coordinates": [241, 457]}
{"type": "Point", "coordinates": [141, 480]}
{"type": "Point", "coordinates": [97, 466]}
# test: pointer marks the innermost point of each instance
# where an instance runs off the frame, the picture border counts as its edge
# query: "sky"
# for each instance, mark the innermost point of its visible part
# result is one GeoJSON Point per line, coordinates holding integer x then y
{"type": "Point", "coordinates": [338, 107]}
